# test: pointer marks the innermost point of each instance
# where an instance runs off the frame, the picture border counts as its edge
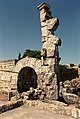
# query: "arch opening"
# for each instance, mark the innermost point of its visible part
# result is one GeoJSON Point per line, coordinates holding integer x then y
{"type": "Point", "coordinates": [27, 78]}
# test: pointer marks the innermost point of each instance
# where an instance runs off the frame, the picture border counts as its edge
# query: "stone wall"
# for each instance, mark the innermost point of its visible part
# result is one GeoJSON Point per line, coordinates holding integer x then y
{"type": "Point", "coordinates": [7, 75]}
{"type": "Point", "coordinates": [7, 65]}
{"type": "Point", "coordinates": [10, 69]}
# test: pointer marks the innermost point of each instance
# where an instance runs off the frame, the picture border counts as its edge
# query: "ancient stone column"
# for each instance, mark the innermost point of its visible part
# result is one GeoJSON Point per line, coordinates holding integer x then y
{"type": "Point", "coordinates": [50, 42]}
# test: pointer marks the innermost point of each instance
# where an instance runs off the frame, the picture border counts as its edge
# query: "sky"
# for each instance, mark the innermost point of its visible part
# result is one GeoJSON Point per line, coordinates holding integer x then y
{"type": "Point", "coordinates": [20, 28]}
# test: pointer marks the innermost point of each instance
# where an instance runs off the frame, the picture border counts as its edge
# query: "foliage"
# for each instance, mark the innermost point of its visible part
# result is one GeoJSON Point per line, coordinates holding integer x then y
{"type": "Point", "coordinates": [31, 53]}
{"type": "Point", "coordinates": [19, 56]}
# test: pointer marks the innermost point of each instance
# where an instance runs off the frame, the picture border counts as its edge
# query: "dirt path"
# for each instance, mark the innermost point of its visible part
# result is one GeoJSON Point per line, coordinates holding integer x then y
{"type": "Point", "coordinates": [25, 112]}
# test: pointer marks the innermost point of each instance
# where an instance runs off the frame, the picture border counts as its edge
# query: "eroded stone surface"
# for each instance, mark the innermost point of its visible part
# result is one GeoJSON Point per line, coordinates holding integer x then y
{"type": "Point", "coordinates": [71, 98]}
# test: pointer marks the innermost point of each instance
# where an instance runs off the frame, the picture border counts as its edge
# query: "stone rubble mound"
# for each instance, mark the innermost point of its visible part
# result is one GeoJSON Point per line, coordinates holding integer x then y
{"type": "Point", "coordinates": [71, 91]}
{"type": "Point", "coordinates": [33, 94]}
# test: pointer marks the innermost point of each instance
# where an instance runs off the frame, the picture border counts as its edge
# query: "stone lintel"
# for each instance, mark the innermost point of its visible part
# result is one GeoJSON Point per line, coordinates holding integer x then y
{"type": "Point", "coordinates": [43, 6]}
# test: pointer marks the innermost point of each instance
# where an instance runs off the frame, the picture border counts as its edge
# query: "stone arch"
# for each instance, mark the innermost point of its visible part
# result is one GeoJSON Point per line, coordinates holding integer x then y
{"type": "Point", "coordinates": [28, 62]}
{"type": "Point", "coordinates": [27, 78]}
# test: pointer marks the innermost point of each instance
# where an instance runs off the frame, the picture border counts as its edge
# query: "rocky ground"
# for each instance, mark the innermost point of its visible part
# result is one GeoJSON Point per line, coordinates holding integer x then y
{"type": "Point", "coordinates": [25, 112]}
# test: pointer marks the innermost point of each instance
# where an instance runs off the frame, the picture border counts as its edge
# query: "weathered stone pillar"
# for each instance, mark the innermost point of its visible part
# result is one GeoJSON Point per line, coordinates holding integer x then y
{"type": "Point", "coordinates": [50, 42]}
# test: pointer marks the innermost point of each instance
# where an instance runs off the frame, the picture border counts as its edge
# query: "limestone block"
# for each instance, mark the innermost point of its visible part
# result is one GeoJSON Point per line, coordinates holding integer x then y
{"type": "Point", "coordinates": [13, 87]}
{"type": "Point", "coordinates": [3, 77]}
{"type": "Point", "coordinates": [42, 11]}
{"type": "Point", "coordinates": [45, 16]}
{"type": "Point", "coordinates": [78, 113]}
{"type": "Point", "coordinates": [44, 70]}
{"type": "Point", "coordinates": [38, 66]}
{"type": "Point", "coordinates": [13, 81]}
{"type": "Point", "coordinates": [67, 84]}
{"type": "Point", "coordinates": [43, 24]}
{"type": "Point", "coordinates": [43, 52]}
{"type": "Point", "coordinates": [50, 53]}
{"type": "Point", "coordinates": [0, 76]}
{"type": "Point", "coordinates": [52, 68]}
{"type": "Point", "coordinates": [53, 24]}
{"type": "Point", "coordinates": [71, 98]}
{"type": "Point", "coordinates": [54, 40]}
{"type": "Point", "coordinates": [51, 64]}
{"type": "Point", "coordinates": [44, 31]}
{"type": "Point", "coordinates": [44, 39]}
{"type": "Point", "coordinates": [49, 44]}
{"type": "Point", "coordinates": [44, 6]}
{"type": "Point", "coordinates": [6, 78]}
{"type": "Point", "coordinates": [74, 113]}
{"type": "Point", "coordinates": [7, 84]}
{"type": "Point", "coordinates": [52, 92]}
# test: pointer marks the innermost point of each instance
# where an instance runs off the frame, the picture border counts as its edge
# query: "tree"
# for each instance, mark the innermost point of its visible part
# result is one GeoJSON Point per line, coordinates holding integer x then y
{"type": "Point", "coordinates": [31, 53]}
{"type": "Point", "coordinates": [19, 56]}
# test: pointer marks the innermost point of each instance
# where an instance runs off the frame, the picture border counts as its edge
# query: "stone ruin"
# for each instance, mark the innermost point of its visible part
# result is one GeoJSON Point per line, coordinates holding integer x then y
{"type": "Point", "coordinates": [49, 52]}
{"type": "Point", "coordinates": [30, 78]}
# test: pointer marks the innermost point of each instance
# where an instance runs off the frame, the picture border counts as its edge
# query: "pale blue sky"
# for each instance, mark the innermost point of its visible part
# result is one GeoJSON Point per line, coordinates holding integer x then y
{"type": "Point", "coordinates": [20, 28]}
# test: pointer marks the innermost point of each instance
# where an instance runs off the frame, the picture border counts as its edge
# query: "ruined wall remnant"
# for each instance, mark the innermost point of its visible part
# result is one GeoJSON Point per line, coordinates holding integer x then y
{"type": "Point", "coordinates": [50, 42]}
{"type": "Point", "coordinates": [49, 52]}
{"type": "Point", "coordinates": [45, 74]}
{"type": "Point", "coordinates": [7, 75]}
{"type": "Point", "coordinates": [69, 83]}
{"type": "Point", "coordinates": [12, 73]}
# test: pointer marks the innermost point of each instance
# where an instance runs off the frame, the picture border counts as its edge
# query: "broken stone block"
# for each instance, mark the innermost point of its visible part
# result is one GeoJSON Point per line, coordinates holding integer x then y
{"type": "Point", "coordinates": [67, 84]}
{"type": "Point", "coordinates": [45, 16]}
{"type": "Point", "coordinates": [41, 97]}
{"type": "Point", "coordinates": [71, 98]}
{"type": "Point", "coordinates": [44, 6]}
{"type": "Point", "coordinates": [43, 24]}
{"type": "Point", "coordinates": [52, 24]}
{"type": "Point", "coordinates": [16, 97]}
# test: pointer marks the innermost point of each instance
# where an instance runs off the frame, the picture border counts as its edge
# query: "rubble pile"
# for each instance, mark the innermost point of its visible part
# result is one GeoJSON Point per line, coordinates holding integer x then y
{"type": "Point", "coordinates": [72, 86]}
{"type": "Point", "coordinates": [33, 94]}
{"type": "Point", "coordinates": [70, 91]}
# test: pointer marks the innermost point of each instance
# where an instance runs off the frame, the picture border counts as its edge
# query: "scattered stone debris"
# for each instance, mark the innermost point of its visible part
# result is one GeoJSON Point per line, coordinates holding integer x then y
{"type": "Point", "coordinates": [33, 94]}
{"type": "Point", "coordinates": [70, 91]}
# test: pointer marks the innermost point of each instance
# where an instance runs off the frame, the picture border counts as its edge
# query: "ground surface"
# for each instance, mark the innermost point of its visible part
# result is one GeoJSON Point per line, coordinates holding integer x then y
{"type": "Point", "coordinates": [25, 112]}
